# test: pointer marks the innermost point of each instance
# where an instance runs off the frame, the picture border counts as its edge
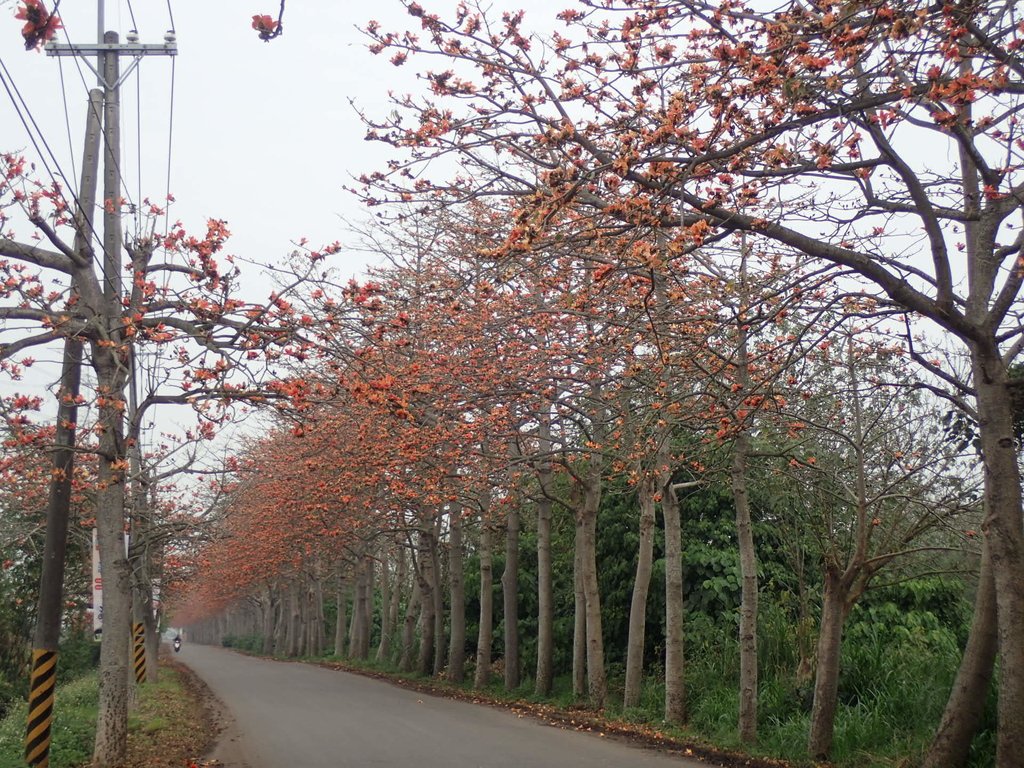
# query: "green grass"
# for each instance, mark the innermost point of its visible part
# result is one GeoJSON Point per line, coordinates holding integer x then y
{"type": "Point", "coordinates": [163, 720]}
{"type": "Point", "coordinates": [74, 726]}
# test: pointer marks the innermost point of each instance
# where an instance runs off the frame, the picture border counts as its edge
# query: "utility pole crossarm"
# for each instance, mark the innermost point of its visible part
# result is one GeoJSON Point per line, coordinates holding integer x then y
{"type": "Point", "coordinates": [111, 47]}
{"type": "Point", "coordinates": [169, 48]}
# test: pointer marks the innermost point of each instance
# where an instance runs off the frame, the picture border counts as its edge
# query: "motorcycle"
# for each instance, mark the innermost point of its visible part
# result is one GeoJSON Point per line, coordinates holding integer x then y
{"type": "Point", "coordinates": [177, 644]}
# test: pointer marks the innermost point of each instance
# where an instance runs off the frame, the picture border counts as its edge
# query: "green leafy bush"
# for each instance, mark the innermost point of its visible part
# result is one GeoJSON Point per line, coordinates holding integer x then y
{"type": "Point", "coordinates": [249, 643]}
{"type": "Point", "coordinates": [74, 726]}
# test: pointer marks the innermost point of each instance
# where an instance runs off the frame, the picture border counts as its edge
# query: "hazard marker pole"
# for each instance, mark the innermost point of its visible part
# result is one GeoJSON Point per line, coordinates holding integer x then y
{"type": "Point", "coordinates": [139, 645]}
{"type": "Point", "coordinates": [40, 708]}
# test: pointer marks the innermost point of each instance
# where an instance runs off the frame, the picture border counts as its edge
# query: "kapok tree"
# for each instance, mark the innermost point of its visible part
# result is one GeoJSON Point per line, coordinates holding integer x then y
{"type": "Point", "coordinates": [436, 357]}
{"type": "Point", "coordinates": [883, 487]}
{"type": "Point", "coordinates": [818, 127]}
{"type": "Point", "coordinates": [403, 375]}
{"type": "Point", "coordinates": [284, 512]}
{"type": "Point", "coordinates": [24, 478]}
{"type": "Point", "coordinates": [175, 297]}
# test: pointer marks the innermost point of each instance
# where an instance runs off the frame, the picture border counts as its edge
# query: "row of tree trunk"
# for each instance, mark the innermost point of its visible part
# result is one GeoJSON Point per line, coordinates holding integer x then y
{"type": "Point", "coordinates": [407, 591]}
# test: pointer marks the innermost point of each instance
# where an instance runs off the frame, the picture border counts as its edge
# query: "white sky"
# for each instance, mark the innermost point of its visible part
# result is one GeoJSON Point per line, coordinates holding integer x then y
{"type": "Point", "coordinates": [264, 135]}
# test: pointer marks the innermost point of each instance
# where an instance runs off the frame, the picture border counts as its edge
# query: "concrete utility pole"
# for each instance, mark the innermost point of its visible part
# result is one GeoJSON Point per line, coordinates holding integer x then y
{"type": "Point", "coordinates": [111, 179]}
{"type": "Point", "coordinates": [103, 102]}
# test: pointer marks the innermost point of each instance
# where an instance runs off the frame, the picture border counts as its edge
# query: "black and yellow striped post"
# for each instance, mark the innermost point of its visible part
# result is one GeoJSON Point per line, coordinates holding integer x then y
{"type": "Point", "coordinates": [40, 707]}
{"type": "Point", "coordinates": [139, 643]}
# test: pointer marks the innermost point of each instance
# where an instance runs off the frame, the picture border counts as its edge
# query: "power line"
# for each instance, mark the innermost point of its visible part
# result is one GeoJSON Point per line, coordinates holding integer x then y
{"type": "Point", "coordinates": [19, 104]}
{"type": "Point", "coordinates": [170, 14]}
{"type": "Point", "coordinates": [170, 149]}
{"type": "Point", "coordinates": [131, 12]}
{"type": "Point", "coordinates": [106, 140]}
{"type": "Point", "coordinates": [9, 84]}
{"type": "Point", "coordinates": [78, 64]}
{"type": "Point", "coordinates": [67, 119]}
{"type": "Point", "coordinates": [170, 133]}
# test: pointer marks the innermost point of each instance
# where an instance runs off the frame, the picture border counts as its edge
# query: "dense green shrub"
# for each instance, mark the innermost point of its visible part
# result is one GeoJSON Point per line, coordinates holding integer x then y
{"type": "Point", "coordinates": [249, 643]}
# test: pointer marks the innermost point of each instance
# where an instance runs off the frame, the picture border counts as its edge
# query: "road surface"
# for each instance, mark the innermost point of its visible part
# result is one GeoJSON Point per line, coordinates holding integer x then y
{"type": "Point", "coordinates": [290, 715]}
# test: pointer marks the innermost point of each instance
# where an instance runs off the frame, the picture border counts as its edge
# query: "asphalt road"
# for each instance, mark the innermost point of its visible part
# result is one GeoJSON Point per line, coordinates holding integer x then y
{"type": "Point", "coordinates": [290, 715]}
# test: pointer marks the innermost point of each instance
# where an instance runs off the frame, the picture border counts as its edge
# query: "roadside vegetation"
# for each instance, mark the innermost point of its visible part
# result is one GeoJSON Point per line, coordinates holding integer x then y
{"type": "Point", "coordinates": [74, 726]}
{"type": "Point", "coordinates": [167, 728]}
{"type": "Point", "coordinates": [900, 654]}
{"type": "Point", "coordinates": [686, 388]}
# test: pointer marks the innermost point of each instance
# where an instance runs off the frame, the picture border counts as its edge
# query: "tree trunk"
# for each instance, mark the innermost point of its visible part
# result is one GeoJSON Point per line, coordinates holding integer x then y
{"type": "Point", "coordinates": [409, 627]}
{"type": "Point", "coordinates": [437, 582]}
{"type": "Point", "coordinates": [510, 598]}
{"type": "Point", "coordinates": [579, 628]}
{"type": "Point", "coordinates": [641, 586]}
{"type": "Point", "coordinates": [457, 586]}
{"type": "Point", "coordinates": [321, 619]}
{"type": "Point", "coordinates": [267, 632]}
{"type": "Point", "coordinates": [826, 681]}
{"type": "Point", "coordinates": [353, 620]}
{"type": "Point", "coordinates": [357, 647]}
{"type": "Point", "coordinates": [427, 582]}
{"type": "Point", "coordinates": [1004, 537]}
{"type": "Point", "coordinates": [366, 625]}
{"type": "Point", "coordinates": [545, 592]}
{"type": "Point", "coordinates": [744, 527]}
{"type": "Point", "coordinates": [749, 589]}
{"type": "Point", "coordinates": [287, 629]}
{"type": "Point", "coordinates": [962, 716]}
{"type": "Point", "coordinates": [294, 614]}
{"type": "Point", "coordinates": [675, 684]}
{"type": "Point", "coordinates": [354, 628]}
{"type": "Point", "coordinates": [341, 622]}
{"type": "Point", "coordinates": [386, 588]}
{"type": "Point", "coordinates": [312, 633]}
{"type": "Point", "coordinates": [281, 621]}
{"type": "Point", "coordinates": [425, 658]}
{"type": "Point", "coordinates": [386, 651]}
{"type": "Point", "coordinates": [485, 635]}
{"type": "Point", "coordinates": [597, 686]}
{"type": "Point", "coordinates": [301, 617]}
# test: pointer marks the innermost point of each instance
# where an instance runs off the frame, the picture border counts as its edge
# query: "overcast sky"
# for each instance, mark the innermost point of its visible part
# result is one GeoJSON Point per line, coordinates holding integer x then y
{"type": "Point", "coordinates": [264, 134]}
